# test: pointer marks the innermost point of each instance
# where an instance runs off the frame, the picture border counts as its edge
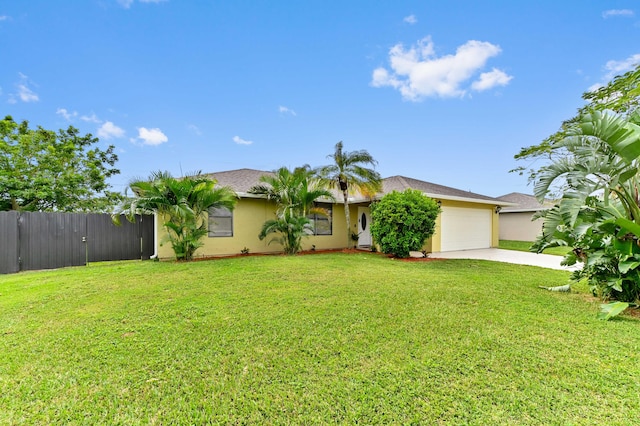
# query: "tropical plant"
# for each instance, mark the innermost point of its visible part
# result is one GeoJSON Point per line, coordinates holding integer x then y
{"type": "Point", "coordinates": [598, 214]}
{"type": "Point", "coordinates": [289, 232]}
{"type": "Point", "coordinates": [348, 173]}
{"type": "Point", "coordinates": [402, 221]}
{"type": "Point", "coordinates": [183, 203]}
{"type": "Point", "coordinates": [295, 193]}
{"type": "Point", "coordinates": [620, 95]}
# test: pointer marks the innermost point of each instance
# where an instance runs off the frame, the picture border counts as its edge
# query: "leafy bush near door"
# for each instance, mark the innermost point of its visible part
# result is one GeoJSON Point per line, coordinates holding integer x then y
{"type": "Point", "coordinates": [403, 221]}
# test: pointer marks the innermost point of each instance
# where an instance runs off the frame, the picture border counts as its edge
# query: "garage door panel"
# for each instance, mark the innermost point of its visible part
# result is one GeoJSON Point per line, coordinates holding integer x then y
{"type": "Point", "coordinates": [465, 228]}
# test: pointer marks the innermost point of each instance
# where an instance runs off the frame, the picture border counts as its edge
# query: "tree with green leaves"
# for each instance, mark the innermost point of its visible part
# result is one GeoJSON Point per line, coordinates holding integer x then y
{"type": "Point", "coordinates": [349, 173]}
{"type": "Point", "coordinates": [621, 95]}
{"type": "Point", "coordinates": [592, 170]}
{"type": "Point", "coordinates": [182, 203]}
{"type": "Point", "coordinates": [41, 170]}
{"type": "Point", "coordinates": [402, 221]}
{"type": "Point", "coordinates": [598, 214]}
{"type": "Point", "coordinates": [295, 193]}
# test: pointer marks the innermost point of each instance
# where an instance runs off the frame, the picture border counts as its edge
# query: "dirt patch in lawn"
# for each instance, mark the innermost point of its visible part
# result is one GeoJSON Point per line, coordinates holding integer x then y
{"type": "Point", "coordinates": [301, 253]}
{"type": "Point", "coordinates": [312, 252]}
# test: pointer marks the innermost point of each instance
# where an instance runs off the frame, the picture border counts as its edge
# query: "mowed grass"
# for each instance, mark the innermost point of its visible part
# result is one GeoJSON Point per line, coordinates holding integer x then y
{"type": "Point", "coordinates": [525, 245]}
{"type": "Point", "coordinates": [326, 338]}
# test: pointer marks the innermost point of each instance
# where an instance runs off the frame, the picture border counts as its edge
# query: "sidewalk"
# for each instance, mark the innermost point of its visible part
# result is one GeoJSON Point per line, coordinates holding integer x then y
{"type": "Point", "coordinates": [508, 256]}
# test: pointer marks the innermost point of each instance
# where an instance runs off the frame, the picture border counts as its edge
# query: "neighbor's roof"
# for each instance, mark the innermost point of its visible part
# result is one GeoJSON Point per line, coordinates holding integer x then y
{"type": "Point", "coordinates": [242, 180]}
{"type": "Point", "coordinates": [524, 203]}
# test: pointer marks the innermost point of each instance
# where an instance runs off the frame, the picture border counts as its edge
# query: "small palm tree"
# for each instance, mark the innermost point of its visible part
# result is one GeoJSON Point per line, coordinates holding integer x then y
{"type": "Point", "coordinates": [183, 202]}
{"type": "Point", "coordinates": [289, 230]}
{"type": "Point", "coordinates": [349, 174]}
{"type": "Point", "coordinates": [295, 193]}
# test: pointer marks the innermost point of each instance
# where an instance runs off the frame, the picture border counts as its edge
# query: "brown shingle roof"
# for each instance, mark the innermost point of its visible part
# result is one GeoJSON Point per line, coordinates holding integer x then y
{"type": "Point", "coordinates": [241, 180]}
{"type": "Point", "coordinates": [524, 202]}
{"type": "Point", "coordinates": [400, 183]}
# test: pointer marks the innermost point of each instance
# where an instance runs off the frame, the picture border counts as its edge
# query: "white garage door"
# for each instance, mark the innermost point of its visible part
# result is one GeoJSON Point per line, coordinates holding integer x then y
{"type": "Point", "coordinates": [465, 228]}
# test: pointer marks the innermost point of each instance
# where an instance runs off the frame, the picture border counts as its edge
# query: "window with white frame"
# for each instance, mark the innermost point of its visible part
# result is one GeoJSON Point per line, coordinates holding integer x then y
{"type": "Point", "coordinates": [220, 222]}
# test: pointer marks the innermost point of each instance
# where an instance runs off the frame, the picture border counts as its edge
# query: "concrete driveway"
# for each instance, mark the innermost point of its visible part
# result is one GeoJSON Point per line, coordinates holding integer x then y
{"type": "Point", "coordinates": [508, 256]}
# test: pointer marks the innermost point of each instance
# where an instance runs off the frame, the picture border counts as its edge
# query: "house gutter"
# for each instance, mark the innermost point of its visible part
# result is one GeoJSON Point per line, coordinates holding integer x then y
{"type": "Point", "coordinates": [508, 210]}
{"type": "Point", "coordinates": [494, 202]}
{"type": "Point", "coordinates": [155, 237]}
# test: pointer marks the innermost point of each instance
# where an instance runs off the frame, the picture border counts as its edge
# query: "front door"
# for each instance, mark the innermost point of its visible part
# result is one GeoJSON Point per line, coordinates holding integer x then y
{"type": "Point", "coordinates": [364, 222]}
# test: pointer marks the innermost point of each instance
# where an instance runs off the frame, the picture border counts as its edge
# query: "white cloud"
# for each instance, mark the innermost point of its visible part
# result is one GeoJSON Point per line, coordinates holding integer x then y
{"type": "Point", "coordinates": [151, 136]}
{"type": "Point", "coordinates": [24, 92]}
{"type": "Point", "coordinates": [594, 87]}
{"type": "Point", "coordinates": [109, 130]}
{"type": "Point", "coordinates": [618, 12]}
{"type": "Point", "coordinates": [614, 68]}
{"type": "Point", "coordinates": [489, 80]}
{"type": "Point", "coordinates": [127, 3]}
{"type": "Point", "coordinates": [411, 19]}
{"type": "Point", "coordinates": [66, 114]}
{"type": "Point", "coordinates": [418, 72]}
{"type": "Point", "coordinates": [3, 17]}
{"type": "Point", "coordinates": [240, 141]}
{"type": "Point", "coordinates": [26, 95]}
{"type": "Point", "coordinates": [620, 67]}
{"type": "Point", "coordinates": [91, 118]}
{"type": "Point", "coordinates": [285, 110]}
{"type": "Point", "coordinates": [195, 129]}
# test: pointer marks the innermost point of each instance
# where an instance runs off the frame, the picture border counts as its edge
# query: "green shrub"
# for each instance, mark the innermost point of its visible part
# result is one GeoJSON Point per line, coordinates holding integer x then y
{"type": "Point", "coordinates": [402, 221]}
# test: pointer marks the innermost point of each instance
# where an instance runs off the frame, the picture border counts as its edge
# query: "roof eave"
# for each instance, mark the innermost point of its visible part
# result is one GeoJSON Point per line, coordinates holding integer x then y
{"type": "Point", "coordinates": [525, 210]}
{"type": "Point", "coordinates": [357, 200]}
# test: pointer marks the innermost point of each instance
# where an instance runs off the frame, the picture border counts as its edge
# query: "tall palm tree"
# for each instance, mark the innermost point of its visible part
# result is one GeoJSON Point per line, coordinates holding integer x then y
{"type": "Point", "coordinates": [183, 202]}
{"type": "Point", "coordinates": [295, 193]}
{"type": "Point", "coordinates": [348, 173]}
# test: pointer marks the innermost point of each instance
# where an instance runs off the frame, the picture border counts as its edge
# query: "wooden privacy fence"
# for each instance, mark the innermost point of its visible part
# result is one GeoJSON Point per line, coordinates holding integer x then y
{"type": "Point", "coordinates": [36, 240]}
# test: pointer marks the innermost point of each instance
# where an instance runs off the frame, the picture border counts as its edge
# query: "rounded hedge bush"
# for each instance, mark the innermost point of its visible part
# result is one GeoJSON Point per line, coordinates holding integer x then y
{"type": "Point", "coordinates": [402, 221]}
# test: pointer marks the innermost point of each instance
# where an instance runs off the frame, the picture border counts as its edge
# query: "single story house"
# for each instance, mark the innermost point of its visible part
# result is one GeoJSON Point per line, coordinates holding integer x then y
{"type": "Point", "coordinates": [516, 221]}
{"type": "Point", "coordinates": [467, 220]}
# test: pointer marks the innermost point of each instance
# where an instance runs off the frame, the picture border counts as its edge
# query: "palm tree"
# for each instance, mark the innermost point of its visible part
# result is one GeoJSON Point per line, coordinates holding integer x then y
{"type": "Point", "coordinates": [289, 230]}
{"type": "Point", "coordinates": [295, 193]}
{"type": "Point", "coordinates": [183, 203]}
{"type": "Point", "coordinates": [349, 174]}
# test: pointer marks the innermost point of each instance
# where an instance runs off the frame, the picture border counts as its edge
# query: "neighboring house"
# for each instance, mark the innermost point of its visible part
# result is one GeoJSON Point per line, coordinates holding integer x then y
{"type": "Point", "coordinates": [467, 221]}
{"type": "Point", "coordinates": [516, 222]}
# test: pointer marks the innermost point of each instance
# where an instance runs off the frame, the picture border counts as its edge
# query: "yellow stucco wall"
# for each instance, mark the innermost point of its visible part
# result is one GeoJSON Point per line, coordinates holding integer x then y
{"type": "Point", "coordinates": [248, 217]}
{"type": "Point", "coordinates": [495, 228]}
{"type": "Point", "coordinates": [251, 213]}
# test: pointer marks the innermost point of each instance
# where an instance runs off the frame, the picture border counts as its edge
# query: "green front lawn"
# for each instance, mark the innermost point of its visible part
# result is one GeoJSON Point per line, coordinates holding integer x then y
{"type": "Point", "coordinates": [524, 246]}
{"type": "Point", "coordinates": [326, 338]}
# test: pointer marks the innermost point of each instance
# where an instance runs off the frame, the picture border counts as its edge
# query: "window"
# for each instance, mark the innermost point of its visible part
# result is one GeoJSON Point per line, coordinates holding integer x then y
{"type": "Point", "coordinates": [321, 223]}
{"type": "Point", "coordinates": [220, 222]}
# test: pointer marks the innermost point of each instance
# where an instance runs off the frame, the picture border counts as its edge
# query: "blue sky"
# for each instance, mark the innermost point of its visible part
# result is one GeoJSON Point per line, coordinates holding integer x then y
{"type": "Point", "coordinates": [443, 91]}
